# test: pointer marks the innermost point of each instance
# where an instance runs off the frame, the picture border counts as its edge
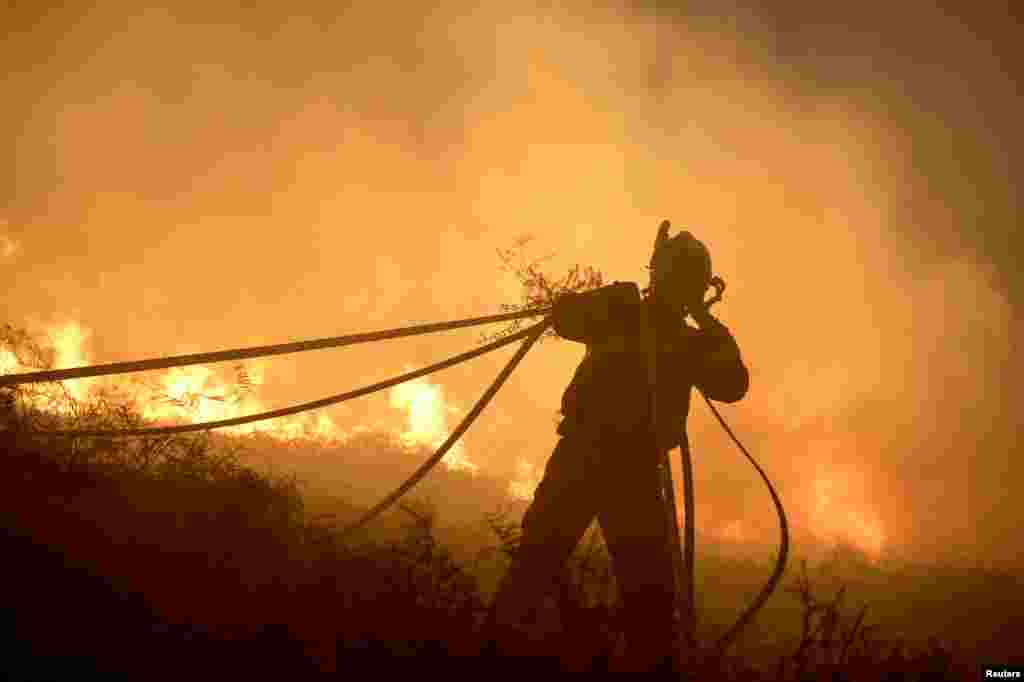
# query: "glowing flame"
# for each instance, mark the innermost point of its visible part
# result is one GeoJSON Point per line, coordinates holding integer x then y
{"type": "Point", "coordinates": [181, 394]}
{"type": "Point", "coordinates": [68, 340]}
{"type": "Point", "coordinates": [196, 394]}
{"type": "Point", "coordinates": [8, 361]}
{"type": "Point", "coordinates": [192, 394]}
{"type": "Point", "coordinates": [427, 420]}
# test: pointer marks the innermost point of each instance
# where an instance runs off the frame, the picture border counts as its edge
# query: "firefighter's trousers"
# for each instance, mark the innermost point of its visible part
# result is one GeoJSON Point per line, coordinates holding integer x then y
{"type": "Point", "coordinates": [617, 481]}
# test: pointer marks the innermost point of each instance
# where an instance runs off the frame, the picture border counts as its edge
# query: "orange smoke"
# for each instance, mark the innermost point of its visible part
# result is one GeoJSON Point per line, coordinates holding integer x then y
{"type": "Point", "coordinates": [733, 532]}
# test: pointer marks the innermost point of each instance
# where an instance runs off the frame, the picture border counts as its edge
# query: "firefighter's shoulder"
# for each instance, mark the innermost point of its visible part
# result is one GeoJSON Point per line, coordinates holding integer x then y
{"type": "Point", "coordinates": [588, 316]}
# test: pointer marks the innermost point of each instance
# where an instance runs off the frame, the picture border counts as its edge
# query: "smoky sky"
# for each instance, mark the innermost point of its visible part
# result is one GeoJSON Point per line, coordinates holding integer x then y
{"type": "Point", "coordinates": [209, 175]}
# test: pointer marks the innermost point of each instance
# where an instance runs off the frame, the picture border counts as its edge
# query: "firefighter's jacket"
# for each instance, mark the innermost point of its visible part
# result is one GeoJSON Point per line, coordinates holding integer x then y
{"type": "Point", "coordinates": [609, 395]}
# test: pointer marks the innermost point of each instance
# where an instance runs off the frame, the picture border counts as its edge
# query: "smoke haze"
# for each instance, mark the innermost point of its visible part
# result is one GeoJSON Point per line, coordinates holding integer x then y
{"type": "Point", "coordinates": [209, 176]}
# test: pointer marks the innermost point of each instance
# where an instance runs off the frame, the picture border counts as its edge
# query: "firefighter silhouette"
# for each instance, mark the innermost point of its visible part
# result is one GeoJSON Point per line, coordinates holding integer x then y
{"type": "Point", "coordinates": [606, 463]}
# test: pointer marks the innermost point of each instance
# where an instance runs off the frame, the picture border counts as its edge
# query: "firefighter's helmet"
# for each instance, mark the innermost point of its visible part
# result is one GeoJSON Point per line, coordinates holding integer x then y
{"type": "Point", "coordinates": [680, 261]}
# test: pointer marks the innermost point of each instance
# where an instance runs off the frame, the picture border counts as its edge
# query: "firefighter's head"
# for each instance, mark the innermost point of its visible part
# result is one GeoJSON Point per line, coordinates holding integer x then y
{"type": "Point", "coordinates": [681, 270]}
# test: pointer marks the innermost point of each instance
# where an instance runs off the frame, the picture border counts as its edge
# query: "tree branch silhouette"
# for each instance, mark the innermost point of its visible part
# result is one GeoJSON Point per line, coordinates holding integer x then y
{"type": "Point", "coordinates": [538, 289]}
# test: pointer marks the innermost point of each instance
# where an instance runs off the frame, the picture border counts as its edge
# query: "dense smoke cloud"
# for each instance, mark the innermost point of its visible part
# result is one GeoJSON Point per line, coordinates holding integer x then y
{"type": "Point", "coordinates": [208, 177]}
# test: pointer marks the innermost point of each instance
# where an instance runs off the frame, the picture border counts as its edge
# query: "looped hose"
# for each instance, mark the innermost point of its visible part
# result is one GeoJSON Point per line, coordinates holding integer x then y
{"type": "Point", "coordinates": [302, 407]}
{"type": "Point", "coordinates": [257, 351]}
{"type": "Point", "coordinates": [780, 564]}
{"type": "Point", "coordinates": [532, 335]}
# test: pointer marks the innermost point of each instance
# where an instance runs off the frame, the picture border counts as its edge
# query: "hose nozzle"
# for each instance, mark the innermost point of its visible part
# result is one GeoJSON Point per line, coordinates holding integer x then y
{"type": "Point", "coordinates": [719, 286]}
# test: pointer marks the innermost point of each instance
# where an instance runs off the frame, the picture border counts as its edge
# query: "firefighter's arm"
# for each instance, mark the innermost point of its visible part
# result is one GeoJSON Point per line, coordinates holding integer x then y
{"type": "Point", "coordinates": [721, 374]}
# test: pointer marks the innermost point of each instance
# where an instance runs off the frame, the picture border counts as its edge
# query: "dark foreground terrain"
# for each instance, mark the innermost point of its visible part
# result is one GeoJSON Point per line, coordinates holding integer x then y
{"type": "Point", "coordinates": [167, 558]}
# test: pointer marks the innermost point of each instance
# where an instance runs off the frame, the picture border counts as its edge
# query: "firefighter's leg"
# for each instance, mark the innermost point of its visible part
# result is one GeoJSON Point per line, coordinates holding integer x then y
{"type": "Point", "coordinates": [633, 522]}
{"type": "Point", "coordinates": [564, 505]}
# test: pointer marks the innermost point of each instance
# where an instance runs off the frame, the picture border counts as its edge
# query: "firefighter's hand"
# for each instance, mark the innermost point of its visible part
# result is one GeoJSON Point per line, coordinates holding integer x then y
{"type": "Point", "coordinates": [697, 308]}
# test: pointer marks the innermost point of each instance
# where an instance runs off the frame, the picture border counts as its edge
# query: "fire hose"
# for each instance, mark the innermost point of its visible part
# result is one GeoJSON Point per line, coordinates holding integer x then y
{"type": "Point", "coordinates": [683, 557]}
{"type": "Point", "coordinates": [529, 336]}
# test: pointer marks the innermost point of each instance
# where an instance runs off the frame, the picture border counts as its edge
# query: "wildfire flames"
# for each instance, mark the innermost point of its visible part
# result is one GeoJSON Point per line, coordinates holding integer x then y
{"type": "Point", "coordinates": [835, 512]}
{"type": "Point", "coordinates": [197, 394]}
{"type": "Point", "coordinates": [68, 341]}
{"type": "Point", "coordinates": [427, 419]}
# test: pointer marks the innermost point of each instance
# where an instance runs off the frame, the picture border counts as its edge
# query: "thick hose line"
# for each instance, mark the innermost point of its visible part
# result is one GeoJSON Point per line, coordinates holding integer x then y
{"type": "Point", "coordinates": [675, 544]}
{"type": "Point", "coordinates": [533, 334]}
{"type": "Point", "coordinates": [689, 540]}
{"type": "Point", "coordinates": [323, 402]}
{"type": "Point", "coordinates": [256, 351]}
{"type": "Point", "coordinates": [780, 564]}
{"type": "Point", "coordinates": [686, 594]}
